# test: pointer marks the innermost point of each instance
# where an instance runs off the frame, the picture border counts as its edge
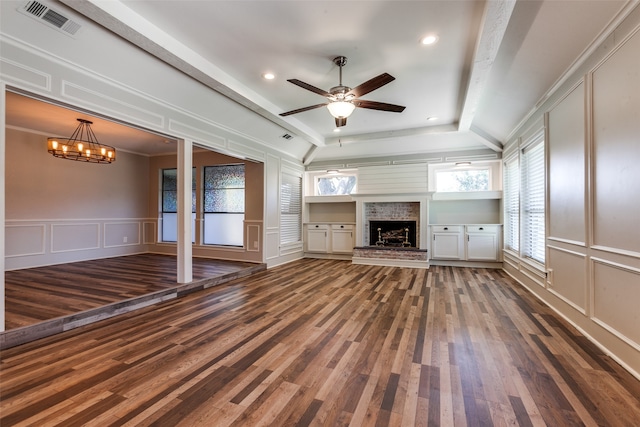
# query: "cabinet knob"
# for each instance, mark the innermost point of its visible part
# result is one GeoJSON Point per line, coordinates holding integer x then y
{"type": "Point", "coordinates": [342, 226]}
{"type": "Point", "coordinates": [317, 226]}
{"type": "Point", "coordinates": [446, 228]}
{"type": "Point", "coordinates": [481, 228]}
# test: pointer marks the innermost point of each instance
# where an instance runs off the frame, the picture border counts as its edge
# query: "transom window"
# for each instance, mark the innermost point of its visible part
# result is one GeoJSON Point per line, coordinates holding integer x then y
{"type": "Point", "coordinates": [467, 179]}
{"type": "Point", "coordinates": [335, 185]}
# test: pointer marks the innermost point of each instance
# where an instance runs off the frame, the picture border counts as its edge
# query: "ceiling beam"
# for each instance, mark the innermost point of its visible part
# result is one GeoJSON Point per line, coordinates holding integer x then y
{"type": "Point", "coordinates": [487, 139]}
{"type": "Point", "coordinates": [391, 134]}
{"type": "Point", "coordinates": [497, 14]}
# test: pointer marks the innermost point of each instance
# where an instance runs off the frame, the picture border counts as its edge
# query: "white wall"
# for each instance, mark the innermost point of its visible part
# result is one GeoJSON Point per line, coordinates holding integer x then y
{"type": "Point", "coordinates": [593, 230]}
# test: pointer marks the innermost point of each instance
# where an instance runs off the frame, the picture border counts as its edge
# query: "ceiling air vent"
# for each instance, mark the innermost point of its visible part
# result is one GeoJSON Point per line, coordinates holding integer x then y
{"type": "Point", "coordinates": [43, 13]}
{"type": "Point", "coordinates": [287, 136]}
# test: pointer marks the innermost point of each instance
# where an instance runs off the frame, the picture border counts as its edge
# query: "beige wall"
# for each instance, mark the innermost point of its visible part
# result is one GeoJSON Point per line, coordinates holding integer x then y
{"type": "Point", "coordinates": [254, 200]}
{"type": "Point", "coordinates": [61, 211]}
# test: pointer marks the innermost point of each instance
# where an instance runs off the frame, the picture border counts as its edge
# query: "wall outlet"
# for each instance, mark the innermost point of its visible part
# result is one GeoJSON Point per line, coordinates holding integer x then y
{"type": "Point", "coordinates": [124, 239]}
{"type": "Point", "coordinates": [550, 277]}
{"type": "Point", "coordinates": [255, 244]}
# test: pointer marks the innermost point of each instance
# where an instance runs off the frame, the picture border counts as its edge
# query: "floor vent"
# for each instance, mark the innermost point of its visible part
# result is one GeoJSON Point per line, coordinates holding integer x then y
{"type": "Point", "coordinates": [50, 17]}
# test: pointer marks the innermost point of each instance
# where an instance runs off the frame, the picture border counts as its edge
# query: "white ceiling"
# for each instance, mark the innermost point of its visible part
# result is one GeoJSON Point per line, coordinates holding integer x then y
{"type": "Point", "coordinates": [493, 62]}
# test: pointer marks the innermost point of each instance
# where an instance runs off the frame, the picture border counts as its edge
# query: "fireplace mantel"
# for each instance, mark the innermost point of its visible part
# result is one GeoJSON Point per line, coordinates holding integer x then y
{"type": "Point", "coordinates": [392, 197]}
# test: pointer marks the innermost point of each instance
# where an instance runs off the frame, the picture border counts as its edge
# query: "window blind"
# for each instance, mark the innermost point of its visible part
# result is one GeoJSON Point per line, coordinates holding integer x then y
{"type": "Point", "coordinates": [511, 204]}
{"type": "Point", "coordinates": [290, 208]}
{"type": "Point", "coordinates": [533, 202]}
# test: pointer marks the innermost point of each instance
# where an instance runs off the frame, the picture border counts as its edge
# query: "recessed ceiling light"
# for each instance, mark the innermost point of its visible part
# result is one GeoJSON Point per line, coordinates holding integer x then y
{"type": "Point", "coordinates": [432, 118]}
{"type": "Point", "coordinates": [268, 76]}
{"type": "Point", "coordinates": [336, 130]}
{"type": "Point", "coordinates": [430, 39]}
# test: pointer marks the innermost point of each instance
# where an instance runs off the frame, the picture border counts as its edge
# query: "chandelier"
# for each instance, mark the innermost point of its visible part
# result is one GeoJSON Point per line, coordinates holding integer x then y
{"type": "Point", "coordinates": [82, 146]}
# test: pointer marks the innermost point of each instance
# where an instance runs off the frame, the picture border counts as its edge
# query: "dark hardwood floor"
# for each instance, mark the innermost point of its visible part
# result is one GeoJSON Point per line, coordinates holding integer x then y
{"type": "Point", "coordinates": [325, 343]}
{"type": "Point", "coordinates": [37, 294]}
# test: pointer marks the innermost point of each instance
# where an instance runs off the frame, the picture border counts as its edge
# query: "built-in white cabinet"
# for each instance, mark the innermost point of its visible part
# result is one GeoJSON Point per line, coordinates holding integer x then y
{"type": "Point", "coordinates": [317, 238]}
{"type": "Point", "coordinates": [329, 226]}
{"type": "Point", "coordinates": [447, 242]}
{"type": "Point", "coordinates": [330, 238]}
{"type": "Point", "coordinates": [342, 238]}
{"type": "Point", "coordinates": [482, 242]}
{"type": "Point", "coordinates": [477, 242]}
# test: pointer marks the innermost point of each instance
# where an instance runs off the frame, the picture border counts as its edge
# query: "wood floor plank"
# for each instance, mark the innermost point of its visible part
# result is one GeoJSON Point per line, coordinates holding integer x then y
{"type": "Point", "coordinates": [36, 294]}
{"type": "Point", "coordinates": [324, 342]}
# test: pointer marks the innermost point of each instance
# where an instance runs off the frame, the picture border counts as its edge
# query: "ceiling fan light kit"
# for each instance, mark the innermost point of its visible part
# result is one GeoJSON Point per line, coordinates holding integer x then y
{"type": "Point", "coordinates": [342, 100]}
{"type": "Point", "coordinates": [341, 109]}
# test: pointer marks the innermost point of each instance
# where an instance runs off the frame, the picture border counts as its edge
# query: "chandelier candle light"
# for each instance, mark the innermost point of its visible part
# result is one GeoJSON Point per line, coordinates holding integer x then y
{"type": "Point", "coordinates": [82, 146]}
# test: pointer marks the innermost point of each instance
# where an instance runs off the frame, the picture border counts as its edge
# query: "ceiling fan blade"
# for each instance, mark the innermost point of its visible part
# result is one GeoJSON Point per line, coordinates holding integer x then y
{"type": "Point", "coordinates": [342, 121]}
{"type": "Point", "coordinates": [371, 85]}
{"type": "Point", "coordinates": [307, 86]}
{"type": "Point", "coordinates": [300, 110]}
{"type": "Point", "coordinates": [374, 105]}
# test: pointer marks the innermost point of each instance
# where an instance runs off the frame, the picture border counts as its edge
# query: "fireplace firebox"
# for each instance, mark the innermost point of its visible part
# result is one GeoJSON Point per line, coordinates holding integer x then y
{"type": "Point", "coordinates": [392, 233]}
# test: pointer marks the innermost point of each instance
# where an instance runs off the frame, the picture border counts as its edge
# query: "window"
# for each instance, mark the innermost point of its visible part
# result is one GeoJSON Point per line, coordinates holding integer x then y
{"type": "Point", "coordinates": [224, 205]}
{"type": "Point", "coordinates": [511, 204]}
{"type": "Point", "coordinates": [533, 202]}
{"type": "Point", "coordinates": [290, 208]}
{"type": "Point", "coordinates": [463, 179]}
{"type": "Point", "coordinates": [169, 230]}
{"type": "Point", "coordinates": [335, 185]}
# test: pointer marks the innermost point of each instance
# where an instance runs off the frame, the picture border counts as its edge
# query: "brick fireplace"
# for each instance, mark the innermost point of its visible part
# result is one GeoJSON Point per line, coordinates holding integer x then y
{"type": "Point", "coordinates": [391, 217]}
{"type": "Point", "coordinates": [393, 234]}
{"type": "Point", "coordinates": [398, 216]}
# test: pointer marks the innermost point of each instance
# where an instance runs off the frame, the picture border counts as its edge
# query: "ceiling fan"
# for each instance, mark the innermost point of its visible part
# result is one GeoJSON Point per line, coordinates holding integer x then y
{"type": "Point", "coordinates": [342, 100]}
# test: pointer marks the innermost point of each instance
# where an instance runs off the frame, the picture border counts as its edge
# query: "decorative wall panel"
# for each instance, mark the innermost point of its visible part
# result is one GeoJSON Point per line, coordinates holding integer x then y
{"type": "Point", "coordinates": [207, 137]}
{"type": "Point", "coordinates": [616, 126]}
{"type": "Point", "coordinates": [121, 234]}
{"type": "Point", "coordinates": [75, 237]}
{"type": "Point", "coordinates": [569, 276]}
{"type": "Point", "coordinates": [566, 142]}
{"type": "Point", "coordinates": [149, 233]}
{"type": "Point", "coordinates": [615, 299]}
{"type": "Point", "coordinates": [23, 240]}
{"type": "Point", "coordinates": [14, 72]}
{"type": "Point", "coordinates": [112, 102]}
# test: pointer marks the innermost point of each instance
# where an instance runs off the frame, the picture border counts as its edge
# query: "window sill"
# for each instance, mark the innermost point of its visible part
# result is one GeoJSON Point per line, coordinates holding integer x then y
{"type": "Point", "coordinates": [328, 199]}
{"type": "Point", "coordinates": [467, 195]}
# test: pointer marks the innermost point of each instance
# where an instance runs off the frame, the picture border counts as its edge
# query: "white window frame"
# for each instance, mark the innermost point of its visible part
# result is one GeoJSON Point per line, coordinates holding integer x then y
{"type": "Point", "coordinates": [312, 177]}
{"type": "Point", "coordinates": [532, 234]}
{"type": "Point", "coordinates": [511, 202]}
{"type": "Point", "coordinates": [291, 211]}
{"type": "Point", "coordinates": [222, 228]}
{"type": "Point", "coordinates": [494, 168]}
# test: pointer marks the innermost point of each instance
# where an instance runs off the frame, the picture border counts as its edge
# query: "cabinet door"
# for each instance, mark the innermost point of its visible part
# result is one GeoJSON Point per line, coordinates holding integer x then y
{"type": "Point", "coordinates": [342, 241]}
{"type": "Point", "coordinates": [317, 240]}
{"type": "Point", "coordinates": [482, 246]}
{"type": "Point", "coordinates": [447, 245]}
